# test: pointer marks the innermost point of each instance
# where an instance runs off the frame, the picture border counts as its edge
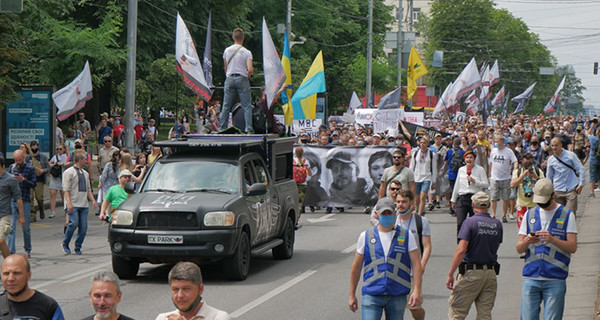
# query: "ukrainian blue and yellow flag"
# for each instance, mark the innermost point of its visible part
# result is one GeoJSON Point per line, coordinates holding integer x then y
{"type": "Point", "coordinates": [304, 101]}
{"type": "Point", "coordinates": [287, 93]}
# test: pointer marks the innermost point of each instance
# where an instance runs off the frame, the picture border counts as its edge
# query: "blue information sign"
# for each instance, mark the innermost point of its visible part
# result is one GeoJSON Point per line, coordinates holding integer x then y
{"type": "Point", "coordinates": [30, 118]}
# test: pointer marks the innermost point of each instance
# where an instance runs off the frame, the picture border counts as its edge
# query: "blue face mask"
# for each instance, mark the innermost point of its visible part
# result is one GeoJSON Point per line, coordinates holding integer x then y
{"type": "Point", "coordinates": [360, 143]}
{"type": "Point", "coordinates": [496, 145]}
{"type": "Point", "coordinates": [117, 122]}
{"type": "Point", "coordinates": [403, 213]}
{"type": "Point", "coordinates": [387, 220]}
{"type": "Point", "coordinates": [391, 144]}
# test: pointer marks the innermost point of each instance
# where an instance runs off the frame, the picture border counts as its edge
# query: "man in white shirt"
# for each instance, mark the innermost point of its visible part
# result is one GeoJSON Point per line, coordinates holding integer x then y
{"type": "Point", "coordinates": [424, 164]}
{"type": "Point", "coordinates": [238, 68]}
{"type": "Point", "coordinates": [502, 162]}
{"type": "Point", "coordinates": [185, 280]}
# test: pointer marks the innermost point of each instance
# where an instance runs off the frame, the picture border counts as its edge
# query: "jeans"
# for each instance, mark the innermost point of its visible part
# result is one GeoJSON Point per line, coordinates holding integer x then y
{"type": "Point", "coordinates": [77, 219]}
{"type": "Point", "coordinates": [241, 86]}
{"type": "Point", "coordinates": [26, 226]}
{"type": "Point", "coordinates": [374, 306]}
{"type": "Point", "coordinates": [422, 187]}
{"type": "Point", "coordinates": [551, 292]}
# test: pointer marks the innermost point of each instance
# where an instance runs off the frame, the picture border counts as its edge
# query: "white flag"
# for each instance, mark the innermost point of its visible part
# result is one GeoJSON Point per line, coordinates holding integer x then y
{"type": "Point", "coordinates": [551, 106]}
{"type": "Point", "coordinates": [467, 80]}
{"type": "Point", "coordinates": [188, 62]}
{"type": "Point", "coordinates": [274, 74]}
{"type": "Point", "coordinates": [72, 98]}
{"type": "Point", "coordinates": [443, 102]}
{"type": "Point", "coordinates": [494, 73]}
{"type": "Point", "coordinates": [355, 103]}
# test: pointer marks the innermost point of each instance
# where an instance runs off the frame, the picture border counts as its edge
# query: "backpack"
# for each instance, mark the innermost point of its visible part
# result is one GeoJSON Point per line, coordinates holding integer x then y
{"type": "Point", "coordinates": [457, 161]}
{"type": "Point", "coordinates": [300, 171]}
{"type": "Point", "coordinates": [419, 224]}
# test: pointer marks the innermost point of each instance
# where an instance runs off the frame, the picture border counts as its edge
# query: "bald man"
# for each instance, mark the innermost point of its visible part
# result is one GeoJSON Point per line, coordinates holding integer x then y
{"type": "Point", "coordinates": [24, 302]}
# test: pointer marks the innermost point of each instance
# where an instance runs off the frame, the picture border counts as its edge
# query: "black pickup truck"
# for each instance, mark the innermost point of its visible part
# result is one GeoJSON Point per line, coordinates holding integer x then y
{"type": "Point", "coordinates": [214, 198]}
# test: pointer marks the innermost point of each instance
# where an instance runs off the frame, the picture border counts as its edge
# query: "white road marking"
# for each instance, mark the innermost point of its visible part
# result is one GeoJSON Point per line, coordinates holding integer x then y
{"type": "Point", "coordinates": [323, 218]}
{"type": "Point", "coordinates": [71, 277]}
{"type": "Point", "coordinates": [264, 298]}
{"type": "Point", "coordinates": [350, 249]}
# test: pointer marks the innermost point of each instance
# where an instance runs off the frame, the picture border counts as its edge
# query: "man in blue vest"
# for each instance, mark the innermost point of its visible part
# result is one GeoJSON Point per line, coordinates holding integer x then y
{"type": "Point", "coordinates": [548, 236]}
{"type": "Point", "coordinates": [476, 259]}
{"type": "Point", "coordinates": [387, 253]}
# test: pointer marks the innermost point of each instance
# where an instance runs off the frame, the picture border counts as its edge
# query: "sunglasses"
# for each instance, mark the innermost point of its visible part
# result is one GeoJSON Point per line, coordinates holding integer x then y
{"type": "Point", "coordinates": [60, 149]}
{"type": "Point", "coordinates": [107, 140]}
{"type": "Point", "coordinates": [396, 157]}
{"type": "Point", "coordinates": [395, 189]}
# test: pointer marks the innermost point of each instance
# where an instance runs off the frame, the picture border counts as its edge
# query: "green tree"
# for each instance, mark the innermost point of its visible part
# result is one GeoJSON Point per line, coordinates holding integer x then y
{"type": "Point", "coordinates": [9, 58]}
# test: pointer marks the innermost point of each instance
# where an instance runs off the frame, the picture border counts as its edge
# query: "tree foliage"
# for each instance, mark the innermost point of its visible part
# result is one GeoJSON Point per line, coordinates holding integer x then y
{"type": "Point", "coordinates": [474, 28]}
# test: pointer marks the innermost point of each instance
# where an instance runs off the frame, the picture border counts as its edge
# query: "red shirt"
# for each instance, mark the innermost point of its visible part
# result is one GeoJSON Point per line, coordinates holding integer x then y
{"type": "Point", "coordinates": [117, 130]}
{"type": "Point", "coordinates": [138, 131]}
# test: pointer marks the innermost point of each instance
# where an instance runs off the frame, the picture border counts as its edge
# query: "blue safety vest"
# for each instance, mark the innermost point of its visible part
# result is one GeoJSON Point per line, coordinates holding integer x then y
{"type": "Point", "coordinates": [544, 259]}
{"type": "Point", "coordinates": [391, 277]}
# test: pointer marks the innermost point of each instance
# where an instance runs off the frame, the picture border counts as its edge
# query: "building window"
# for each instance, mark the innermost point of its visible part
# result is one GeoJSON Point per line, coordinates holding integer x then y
{"type": "Point", "coordinates": [416, 13]}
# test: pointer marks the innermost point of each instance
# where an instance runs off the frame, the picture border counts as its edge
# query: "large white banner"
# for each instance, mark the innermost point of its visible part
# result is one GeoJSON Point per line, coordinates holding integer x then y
{"type": "Point", "coordinates": [188, 62]}
{"type": "Point", "coordinates": [414, 117]}
{"type": "Point", "coordinates": [382, 120]}
{"type": "Point", "coordinates": [72, 98]}
{"type": "Point", "coordinates": [345, 176]}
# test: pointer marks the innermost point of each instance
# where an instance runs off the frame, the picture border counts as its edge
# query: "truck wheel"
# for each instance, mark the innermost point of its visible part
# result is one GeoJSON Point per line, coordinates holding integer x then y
{"type": "Point", "coordinates": [286, 249]}
{"type": "Point", "coordinates": [237, 266]}
{"type": "Point", "coordinates": [124, 268]}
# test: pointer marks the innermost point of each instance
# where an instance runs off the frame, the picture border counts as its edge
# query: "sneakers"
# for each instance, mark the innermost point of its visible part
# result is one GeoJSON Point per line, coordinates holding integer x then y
{"type": "Point", "coordinates": [504, 219]}
{"type": "Point", "coordinates": [65, 248]}
{"type": "Point", "coordinates": [27, 255]}
{"type": "Point", "coordinates": [437, 204]}
{"type": "Point", "coordinates": [512, 217]}
{"type": "Point", "coordinates": [431, 206]}
{"type": "Point", "coordinates": [42, 215]}
{"type": "Point", "coordinates": [78, 251]}
{"type": "Point", "coordinates": [591, 195]}
{"type": "Point", "coordinates": [52, 215]}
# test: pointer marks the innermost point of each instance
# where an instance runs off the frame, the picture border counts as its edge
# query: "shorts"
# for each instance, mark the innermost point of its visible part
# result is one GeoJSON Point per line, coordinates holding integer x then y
{"type": "Point", "coordinates": [418, 305]}
{"type": "Point", "coordinates": [5, 222]}
{"type": "Point", "coordinates": [500, 189]}
{"type": "Point", "coordinates": [594, 172]}
{"type": "Point", "coordinates": [422, 187]}
{"type": "Point", "coordinates": [513, 193]}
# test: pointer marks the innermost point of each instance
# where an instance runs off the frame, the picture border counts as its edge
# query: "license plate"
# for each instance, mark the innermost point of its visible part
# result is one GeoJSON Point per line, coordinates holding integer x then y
{"type": "Point", "coordinates": [165, 239]}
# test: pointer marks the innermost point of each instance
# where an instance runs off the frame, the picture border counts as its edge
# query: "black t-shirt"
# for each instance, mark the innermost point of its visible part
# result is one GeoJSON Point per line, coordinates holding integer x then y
{"type": "Point", "coordinates": [38, 307]}
{"type": "Point", "coordinates": [121, 317]}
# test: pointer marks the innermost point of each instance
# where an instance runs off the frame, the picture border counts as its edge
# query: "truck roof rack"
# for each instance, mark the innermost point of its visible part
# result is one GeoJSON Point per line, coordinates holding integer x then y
{"type": "Point", "coordinates": [216, 140]}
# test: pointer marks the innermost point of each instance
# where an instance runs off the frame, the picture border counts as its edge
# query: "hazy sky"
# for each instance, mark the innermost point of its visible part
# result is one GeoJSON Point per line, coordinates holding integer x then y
{"type": "Point", "coordinates": [571, 31]}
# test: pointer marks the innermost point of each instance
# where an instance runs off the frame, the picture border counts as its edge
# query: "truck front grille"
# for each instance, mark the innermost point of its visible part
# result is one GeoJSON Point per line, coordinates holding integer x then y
{"type": "Point", "coordinates": [167, 220]}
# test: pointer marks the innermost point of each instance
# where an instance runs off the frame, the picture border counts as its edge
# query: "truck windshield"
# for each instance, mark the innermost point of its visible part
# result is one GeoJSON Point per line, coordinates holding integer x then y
{"type": "Point", "coordinates": [193, 176]}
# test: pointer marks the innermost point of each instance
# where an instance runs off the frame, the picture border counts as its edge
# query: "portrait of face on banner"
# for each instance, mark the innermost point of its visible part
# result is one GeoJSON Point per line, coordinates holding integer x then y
{"type": "Point", "coordinates": [345, 176]}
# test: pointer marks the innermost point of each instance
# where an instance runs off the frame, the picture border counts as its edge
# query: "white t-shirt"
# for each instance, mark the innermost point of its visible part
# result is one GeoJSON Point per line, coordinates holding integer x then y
{"type": "Point", "coordinates": [237, 64]}
{"type": "Point", "coordinates": [502, 162]}
{"type": "Point", "coordinates": [386, 242]}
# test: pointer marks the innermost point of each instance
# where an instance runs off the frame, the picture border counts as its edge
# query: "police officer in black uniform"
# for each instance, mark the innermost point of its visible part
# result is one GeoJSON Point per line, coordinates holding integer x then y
{"type": "Point", "coordinates": [476, 259]}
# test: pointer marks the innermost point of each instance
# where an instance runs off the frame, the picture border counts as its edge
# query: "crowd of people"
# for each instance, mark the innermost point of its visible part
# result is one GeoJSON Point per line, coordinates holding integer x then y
{"type": "Point", "coordinates": [533, 164]}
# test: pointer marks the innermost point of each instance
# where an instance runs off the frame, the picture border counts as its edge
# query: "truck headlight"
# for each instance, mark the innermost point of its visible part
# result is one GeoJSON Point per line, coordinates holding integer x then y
{"type": "Point", "coordinates": [122, 218]}
{"type": "Point", "coordinates": [219, 218]}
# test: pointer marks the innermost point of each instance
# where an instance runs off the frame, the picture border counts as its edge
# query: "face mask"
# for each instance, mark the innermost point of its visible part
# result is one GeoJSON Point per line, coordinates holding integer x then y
{"type": "Point", "coordinates": [534, 143]}
{"type": "Point", "coordinates": [304, 140]}
{"type": "Point", "coordinates": [387, 220]}
{"type": "Point", "coordinates": [506, 134]}
{"type": "Point", "coordinates": [361, 143]}
{"type": "Point", "coordinates": [117, 122]}
{"type": "Point", "coordinates": [34, 150]}
{"type": "Point", "coordinates": [403, 213]}
{"type": "Point", "coordinates": [545, 205]}
{"type": "Point", "coordinates": [578, 131]}
{"type": "Point", "coordinates": [496, 145]}
{"type": "Point", "coordinates": [391, 143]}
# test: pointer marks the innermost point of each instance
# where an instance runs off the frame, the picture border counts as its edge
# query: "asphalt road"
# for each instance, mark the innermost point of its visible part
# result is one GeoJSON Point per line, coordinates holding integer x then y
{"type": "Point", "coordinates": [312, 285]}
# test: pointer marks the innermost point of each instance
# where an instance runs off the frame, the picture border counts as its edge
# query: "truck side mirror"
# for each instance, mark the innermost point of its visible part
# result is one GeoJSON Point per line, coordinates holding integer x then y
{"type": "Point", "coordinates": [130, 187]}
{"type": "Point", "coordinates": [257, 189]}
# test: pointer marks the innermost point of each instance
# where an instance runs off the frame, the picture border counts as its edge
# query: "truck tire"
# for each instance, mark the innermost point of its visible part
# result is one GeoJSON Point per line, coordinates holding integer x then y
{"type": "Point", "coordinates": [286, 249]}
{"type": "Point", "coordinates": [238, 265]}
{"type": "Point", "coordinates": [124, 268]}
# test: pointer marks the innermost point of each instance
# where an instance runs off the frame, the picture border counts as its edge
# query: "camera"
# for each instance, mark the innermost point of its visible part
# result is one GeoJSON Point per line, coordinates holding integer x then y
{"type": "Point", "coordinates": [528, 194]}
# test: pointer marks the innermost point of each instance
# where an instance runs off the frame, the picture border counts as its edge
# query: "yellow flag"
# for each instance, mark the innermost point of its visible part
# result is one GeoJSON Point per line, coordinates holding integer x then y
{"type": "Point", "coordinates": [416, 69]}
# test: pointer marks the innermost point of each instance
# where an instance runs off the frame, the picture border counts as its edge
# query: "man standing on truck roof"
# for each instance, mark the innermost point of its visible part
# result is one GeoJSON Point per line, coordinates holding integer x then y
{"type": "Point", "coordinates": [238, 68]}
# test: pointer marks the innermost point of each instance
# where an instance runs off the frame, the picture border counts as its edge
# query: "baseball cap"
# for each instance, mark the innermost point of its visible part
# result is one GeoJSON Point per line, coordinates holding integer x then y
{"type": "Point", "coordinates": [335, 133]}
{"type": "Point", "coordinates": [125, 173]}
{"type": "Point", "coordinates": [547, 134]}
{"type": "Point", "coordinates": [304, 134]}
{"type": "Point", "coordinates": [579, 128]}
{"type": "Point", "coordinates": [385, 204]}
{"type": "Point", "coordinates": [377, 135]}
{"type": "Point", "coordinates": [481, 200]}
{"type": "Point", "coordinates": [340, 156]}
{"type": "Point", "coordinates": [79, 141]}
{"type": "Point", "coordinates": [542, 190]}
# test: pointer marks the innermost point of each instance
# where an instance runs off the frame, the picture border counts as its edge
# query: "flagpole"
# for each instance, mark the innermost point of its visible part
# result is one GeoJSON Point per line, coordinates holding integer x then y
{"type": "Point", "coordinates": [370, 54]}
{"type": "Point", "coordinates": [130, 75]}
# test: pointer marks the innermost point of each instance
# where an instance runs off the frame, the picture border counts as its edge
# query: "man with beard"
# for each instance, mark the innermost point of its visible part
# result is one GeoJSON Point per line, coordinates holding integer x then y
{"type": "Point", "coordinates": [397, 172]}
{"type": "Point", "coordinates": [185, 280]}
{"type": "Point", "coordinates": [105, 295]}
{"type": "Point", "coordinates": [346, 187]}
{"type": "Point", "coordinates": [24, 302]}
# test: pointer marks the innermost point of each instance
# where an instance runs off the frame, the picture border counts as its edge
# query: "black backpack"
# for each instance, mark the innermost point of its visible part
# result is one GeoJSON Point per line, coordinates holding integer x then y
{"type": "Point", "coordinates": [457, 160]}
